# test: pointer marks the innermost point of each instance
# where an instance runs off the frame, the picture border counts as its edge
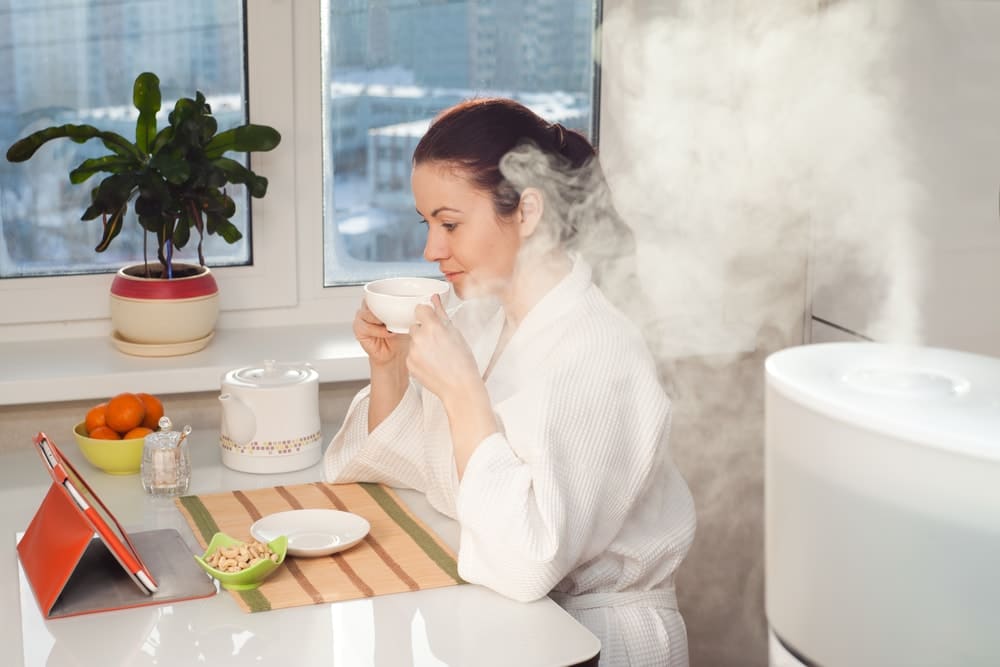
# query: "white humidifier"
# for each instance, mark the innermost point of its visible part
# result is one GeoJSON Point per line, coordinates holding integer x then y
{"type": "Point", "coordinates": [882, 506]}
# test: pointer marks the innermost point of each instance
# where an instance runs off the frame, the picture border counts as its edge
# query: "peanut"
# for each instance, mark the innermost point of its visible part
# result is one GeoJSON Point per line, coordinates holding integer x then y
{"type": "Point", "coordinates": [239, 558]}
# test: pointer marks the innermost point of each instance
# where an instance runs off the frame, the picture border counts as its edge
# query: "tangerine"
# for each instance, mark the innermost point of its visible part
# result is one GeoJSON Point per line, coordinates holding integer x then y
{"type": "Point", "coordinates": [137, 432]}
{"type": "Point", "coordinates": [154, 410]}
{"type": "Point", "coordinates": [104, 433]}
{"type": "Point", "coordinates": [96, 416]}
{"type": "Point", "coordinates": [124, 412]}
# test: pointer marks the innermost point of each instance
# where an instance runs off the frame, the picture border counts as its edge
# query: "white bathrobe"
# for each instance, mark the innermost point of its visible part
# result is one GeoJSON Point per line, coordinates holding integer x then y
{"type": "Point", "coordinates": [575, 495]}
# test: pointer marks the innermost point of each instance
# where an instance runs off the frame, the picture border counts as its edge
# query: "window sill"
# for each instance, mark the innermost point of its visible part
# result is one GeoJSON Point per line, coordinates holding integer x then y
{"type": "Point", "coordinates": [46, 371]}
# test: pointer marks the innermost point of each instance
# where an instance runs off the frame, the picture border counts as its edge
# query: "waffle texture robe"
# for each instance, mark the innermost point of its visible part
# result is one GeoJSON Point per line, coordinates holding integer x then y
{"type": "Point", "coordinates": [575, 496]}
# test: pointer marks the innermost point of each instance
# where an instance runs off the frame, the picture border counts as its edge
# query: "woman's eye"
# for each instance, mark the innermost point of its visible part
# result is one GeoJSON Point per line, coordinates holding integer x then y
{"type": "Point", "coordinates": [421, 221]}
{"type": "Point", "coordinates": [448, 226]}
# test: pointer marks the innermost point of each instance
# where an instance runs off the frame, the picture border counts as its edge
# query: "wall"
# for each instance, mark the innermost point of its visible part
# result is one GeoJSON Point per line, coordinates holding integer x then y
{"type": "Point", "coordinates": [933, 279]}
{"type": "Point", "coordinates": [201, 410]}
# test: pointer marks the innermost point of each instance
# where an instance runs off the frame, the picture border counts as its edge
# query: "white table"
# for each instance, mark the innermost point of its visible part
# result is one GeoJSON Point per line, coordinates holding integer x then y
{"type": "Point", "coordinates": [457, 625]}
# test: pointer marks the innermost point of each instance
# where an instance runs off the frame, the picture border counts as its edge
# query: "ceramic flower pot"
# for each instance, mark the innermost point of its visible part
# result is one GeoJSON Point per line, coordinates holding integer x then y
{"type": "Point", "coordinates": [159, 317]}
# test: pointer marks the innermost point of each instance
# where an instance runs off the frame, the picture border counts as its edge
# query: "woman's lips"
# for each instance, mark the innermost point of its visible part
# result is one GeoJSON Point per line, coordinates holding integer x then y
{"type": "Point", "coordinates": [450, 276]}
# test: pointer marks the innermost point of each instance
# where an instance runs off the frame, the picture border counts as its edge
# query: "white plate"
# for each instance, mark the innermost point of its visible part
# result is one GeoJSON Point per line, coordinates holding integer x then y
{"type": "Point", "coordinates": [312, 532]}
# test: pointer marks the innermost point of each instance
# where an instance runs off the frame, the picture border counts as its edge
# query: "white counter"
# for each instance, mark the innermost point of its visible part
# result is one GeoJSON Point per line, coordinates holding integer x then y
{"type": "Point", "coordinates": [457, 625]}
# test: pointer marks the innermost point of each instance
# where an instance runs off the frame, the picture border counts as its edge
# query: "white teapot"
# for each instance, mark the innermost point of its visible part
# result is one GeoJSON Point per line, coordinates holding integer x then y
{"type": "Point", "coordinates": [270, 418]}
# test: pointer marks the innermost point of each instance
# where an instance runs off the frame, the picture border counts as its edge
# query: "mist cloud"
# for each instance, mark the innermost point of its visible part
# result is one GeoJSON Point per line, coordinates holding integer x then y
{"type": "Point", "coordinates": [738, 138]}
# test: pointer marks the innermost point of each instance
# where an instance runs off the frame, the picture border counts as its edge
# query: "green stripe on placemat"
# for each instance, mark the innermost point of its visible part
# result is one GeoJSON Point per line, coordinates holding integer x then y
{"type": "Point", "coordinates": [255, 600]}
{"type": "Point", "coordinates": [201, 516]}
{"type": "Point", "coordinates": [413, 529]}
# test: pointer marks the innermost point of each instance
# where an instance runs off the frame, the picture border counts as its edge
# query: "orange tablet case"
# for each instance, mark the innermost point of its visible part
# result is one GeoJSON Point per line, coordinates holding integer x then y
{"type": "Point", "coordinates": [71, 571]}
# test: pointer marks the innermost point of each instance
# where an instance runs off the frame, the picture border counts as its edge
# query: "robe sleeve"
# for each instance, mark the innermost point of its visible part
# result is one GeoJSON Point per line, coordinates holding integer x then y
{"type": "Point", "coordinates": [552, 489]}
{"type": "Point", "coordinates": [391, 454]}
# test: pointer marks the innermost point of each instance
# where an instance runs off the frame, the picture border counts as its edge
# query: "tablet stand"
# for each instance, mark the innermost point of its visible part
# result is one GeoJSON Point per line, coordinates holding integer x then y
{"type": "Point", "coordinates": [71, 571]}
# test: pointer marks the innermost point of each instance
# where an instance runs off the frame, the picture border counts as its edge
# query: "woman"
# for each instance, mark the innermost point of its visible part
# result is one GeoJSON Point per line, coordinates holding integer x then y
{"type": "Point", "coordinates": [533, 415]}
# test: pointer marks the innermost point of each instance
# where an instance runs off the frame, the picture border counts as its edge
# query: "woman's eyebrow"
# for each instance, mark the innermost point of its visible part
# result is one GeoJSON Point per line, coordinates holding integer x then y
{"type": "Point", "coordinates": [435, 212]}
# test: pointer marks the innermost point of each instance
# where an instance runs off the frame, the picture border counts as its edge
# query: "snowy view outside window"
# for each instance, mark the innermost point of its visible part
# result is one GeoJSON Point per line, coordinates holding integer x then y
{"type": "Point", "coordinates": [391, 65]}
{"type": "Point", "coordinates": [74, 61]}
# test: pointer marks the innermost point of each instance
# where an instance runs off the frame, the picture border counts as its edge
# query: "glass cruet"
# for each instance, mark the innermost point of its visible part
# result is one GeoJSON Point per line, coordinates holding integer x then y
{"type": "Point", "coordinates": [166, 461]}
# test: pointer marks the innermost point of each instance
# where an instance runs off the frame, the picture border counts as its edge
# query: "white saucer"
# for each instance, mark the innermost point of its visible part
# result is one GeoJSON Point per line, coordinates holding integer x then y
{"type": "Point", "coordinates": [312, 532]}
{"type": "Point", "coordinates": [159, 349]}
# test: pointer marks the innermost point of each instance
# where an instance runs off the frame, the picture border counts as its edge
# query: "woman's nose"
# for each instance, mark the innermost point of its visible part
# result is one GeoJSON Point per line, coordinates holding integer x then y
{"type": "Point", "coordinates": [436, 248]}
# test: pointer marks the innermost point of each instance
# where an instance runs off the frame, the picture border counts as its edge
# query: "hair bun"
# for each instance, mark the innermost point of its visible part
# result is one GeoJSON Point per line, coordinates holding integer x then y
{"type": "Point", "coordinates": [558, 136]}
{"type": "Point", "coordinates": [571, 144]}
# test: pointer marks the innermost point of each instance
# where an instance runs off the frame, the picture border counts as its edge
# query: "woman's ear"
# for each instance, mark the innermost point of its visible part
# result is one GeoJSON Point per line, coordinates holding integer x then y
{"type": "Point", "coordinates": [531, 207]}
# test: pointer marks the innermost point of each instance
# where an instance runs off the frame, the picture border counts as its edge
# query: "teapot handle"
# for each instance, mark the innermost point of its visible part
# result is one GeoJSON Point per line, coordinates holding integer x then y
{"type": "Point", "coordinates": [239, 421]}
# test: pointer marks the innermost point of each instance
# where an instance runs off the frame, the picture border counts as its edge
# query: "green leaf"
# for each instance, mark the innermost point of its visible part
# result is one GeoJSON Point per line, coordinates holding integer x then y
{"type": "Point", "coordinates": [235, 172]}
{"type": "Point", "coordinates": [150, 223]}
{"type": "Point", "coordinates": [221, 226]}
{"type": "Point", "coordinates": [23, 149]}
{"type": "Point", "coordinates": [152, 186]}
{"type": "Point", "coordinates": [182, 231]}
{"type": "Point", "coordinates": [112, 227]}
{"type": "Point", "coordinates": [173, 168]}
{"type": "Point", "coordinates": [183, 108]}
{"type": "Point", "coordinates": [92, 212]}
{"type": "Point", "coordinates": [112, 197]}
{"type": "Point", "coordinates": [146, 98]}
{"type": "Point", "coordinates": [148, 207]}
{"type": "Point", "coordinates": [219, 203]}
{"type": "Point", "coordinates": [163, 137]}
{"type": "Point", "coordinates": [257, 186]}
{"type": "Point", "coordinates": [114, 164]}
{"type": "Point", "coordinates": [243, 140]}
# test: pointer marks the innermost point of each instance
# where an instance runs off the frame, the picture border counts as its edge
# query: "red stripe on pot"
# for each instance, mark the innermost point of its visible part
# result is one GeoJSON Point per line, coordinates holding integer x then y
{"type": "Point", "coordinates": [154, 288]}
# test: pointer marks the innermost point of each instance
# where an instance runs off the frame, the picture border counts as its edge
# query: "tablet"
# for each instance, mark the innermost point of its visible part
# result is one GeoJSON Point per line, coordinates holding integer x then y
{"type": "Point", "coordinates": [97, 514]}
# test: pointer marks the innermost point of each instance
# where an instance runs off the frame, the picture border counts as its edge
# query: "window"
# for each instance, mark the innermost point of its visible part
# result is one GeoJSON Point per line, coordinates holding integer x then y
{"type": "Point", "coordinates": [389, 67]}
{"type": "Point", "coordinates": [35, 306]}
{"type": "Point", "coordinates": [74, 62]}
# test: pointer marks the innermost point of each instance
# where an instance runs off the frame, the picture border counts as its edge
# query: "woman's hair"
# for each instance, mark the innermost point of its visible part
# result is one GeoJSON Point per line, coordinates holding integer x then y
{"type": "Point", "coordinates": [476, 134]}
{"type": "Point", "coordinates": [503, 147]}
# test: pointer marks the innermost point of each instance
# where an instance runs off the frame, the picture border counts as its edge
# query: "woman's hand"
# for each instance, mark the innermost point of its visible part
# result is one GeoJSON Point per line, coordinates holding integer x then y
{"type": "Point", "coordinates": [381, 345]}
{"type": "Point", "coordinates": [387, 357]}
{"type": "Point", "coordinates": [442, 362]}
{"type": "Point", "coordinates": [439, 358]}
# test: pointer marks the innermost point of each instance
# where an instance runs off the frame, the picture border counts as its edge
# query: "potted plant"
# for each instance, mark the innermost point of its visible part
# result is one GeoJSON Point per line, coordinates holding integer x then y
{"type": "Point", "coordinates": [176, 179]}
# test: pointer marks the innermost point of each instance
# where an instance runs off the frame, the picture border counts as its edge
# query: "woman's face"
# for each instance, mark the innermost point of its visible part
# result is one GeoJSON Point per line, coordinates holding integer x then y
{"type": "Point", "coordinates": [474, 249]}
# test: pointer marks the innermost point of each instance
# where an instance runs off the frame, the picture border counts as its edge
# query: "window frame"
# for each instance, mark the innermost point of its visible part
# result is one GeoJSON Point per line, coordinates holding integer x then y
{"type": "Point", "coordinates": [284, 283]}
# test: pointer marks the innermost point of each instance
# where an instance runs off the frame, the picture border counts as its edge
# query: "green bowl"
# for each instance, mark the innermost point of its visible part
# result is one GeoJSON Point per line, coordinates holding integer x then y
{"type": "Point", "coordinates": [253, 576]}
{"type": "Point", "coordinates": [115, 457]}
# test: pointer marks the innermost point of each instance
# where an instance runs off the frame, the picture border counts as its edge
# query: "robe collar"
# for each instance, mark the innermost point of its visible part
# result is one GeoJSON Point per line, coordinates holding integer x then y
{"type": "Point", "coordinates": [559, 300]}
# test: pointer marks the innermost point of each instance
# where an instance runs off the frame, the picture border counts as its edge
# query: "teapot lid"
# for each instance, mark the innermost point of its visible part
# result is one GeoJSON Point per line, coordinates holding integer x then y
{"type": "Point", "coordinates": [273, 374]}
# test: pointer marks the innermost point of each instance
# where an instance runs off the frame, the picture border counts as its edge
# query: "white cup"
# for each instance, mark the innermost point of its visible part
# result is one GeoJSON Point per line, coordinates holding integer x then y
{"type": "Point", "coordinates": [395, 300]}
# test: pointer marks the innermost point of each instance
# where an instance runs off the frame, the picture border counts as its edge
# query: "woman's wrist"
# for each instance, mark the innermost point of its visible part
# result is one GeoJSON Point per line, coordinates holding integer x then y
{"type": "Point", "coordinates": [393, 370]}
{"type": "Point", "coordinates": [389, 383]}
{"type": "Point", "coordinates": [471, 420]}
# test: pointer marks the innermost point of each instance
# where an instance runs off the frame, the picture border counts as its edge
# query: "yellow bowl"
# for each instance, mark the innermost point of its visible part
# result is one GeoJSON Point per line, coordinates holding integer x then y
{"type": "Point", "coordinates": [115, 457]}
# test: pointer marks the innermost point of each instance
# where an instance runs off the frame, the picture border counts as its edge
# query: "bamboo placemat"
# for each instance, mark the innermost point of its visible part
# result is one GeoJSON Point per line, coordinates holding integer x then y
{"type": "Point", "coordinates": [399, 554]}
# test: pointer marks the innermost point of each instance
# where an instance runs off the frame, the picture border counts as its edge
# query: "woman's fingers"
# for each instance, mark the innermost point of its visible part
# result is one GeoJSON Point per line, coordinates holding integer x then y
{"type": "Point", "coordinates": [439, 310]}
{"type": "Point", "coordinates": [423, 315]}
{"type": "Point", "coordinates": [432, 312]}
{"type": "Point", "coordinates": [367, 315]}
